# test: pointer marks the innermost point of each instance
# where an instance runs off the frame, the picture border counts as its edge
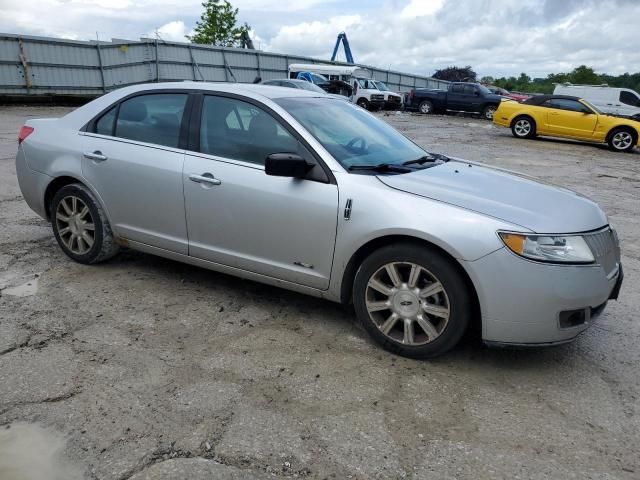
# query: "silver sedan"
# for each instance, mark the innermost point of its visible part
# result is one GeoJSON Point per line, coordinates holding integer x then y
{"type": "Point", "coordinates": [299, 190]}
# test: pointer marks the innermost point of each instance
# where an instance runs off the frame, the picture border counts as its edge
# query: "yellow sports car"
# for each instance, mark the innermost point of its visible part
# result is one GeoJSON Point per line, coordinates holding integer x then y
{"type": "Point", "coordinates": [567, 117]}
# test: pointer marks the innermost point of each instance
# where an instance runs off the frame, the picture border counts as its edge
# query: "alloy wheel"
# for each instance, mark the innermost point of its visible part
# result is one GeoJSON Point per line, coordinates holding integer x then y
{"type": "Point", "coordinates": [407, 303]}
{"type": "Point", "coordinates": [522, 128]}
{"type": "Point", "coordinates": [425, 107]}
{"type": "Point", "coordinates": [75, 225]}
{"type": "Point", "coordinates": [622, 140]}
{"type": "Point", "coordinates": [488, 113]}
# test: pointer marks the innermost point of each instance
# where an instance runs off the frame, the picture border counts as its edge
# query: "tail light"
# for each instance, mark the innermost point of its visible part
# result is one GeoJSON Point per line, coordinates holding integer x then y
{"type": "Point", "coordinates": [24, 133]}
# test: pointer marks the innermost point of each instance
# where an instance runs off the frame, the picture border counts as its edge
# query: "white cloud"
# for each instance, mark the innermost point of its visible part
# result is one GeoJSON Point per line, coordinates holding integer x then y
{"type": "Point", "coordinates": [496, 37]}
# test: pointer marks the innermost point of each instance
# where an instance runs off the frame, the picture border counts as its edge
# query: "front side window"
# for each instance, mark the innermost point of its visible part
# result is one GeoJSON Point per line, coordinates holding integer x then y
{"type": "Point", "coordinates": [153, 118]}
{"type": "Point", "coordinates": [469, 90]}
{"type": "Point", "coordinates": [350, 134]}
{"type": "Point", "coordinates": [239, 130]}
{"type": "Point", "coordinates": [629, 98]}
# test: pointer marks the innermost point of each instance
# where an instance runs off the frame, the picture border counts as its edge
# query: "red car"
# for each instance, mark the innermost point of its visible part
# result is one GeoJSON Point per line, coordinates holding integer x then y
{"type": "Point", "coordinates": [505, 93]}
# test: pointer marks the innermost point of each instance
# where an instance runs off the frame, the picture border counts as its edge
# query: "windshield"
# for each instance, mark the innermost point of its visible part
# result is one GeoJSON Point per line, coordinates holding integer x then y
{"type": "Point", "coordinates": [310, 86]}
{"type": "Point", "coordinates": [592, 107]}
{"type": "Point", "coordinates": [319, 78]}
{"type": "Point", "coordinates": [382, 86]}
{"type": "Point", "coordinates": [368, 84]}
{"type": "Point", "coordinates": [484, 89]}
{"type": "Point", "coordinates": [351, 135]}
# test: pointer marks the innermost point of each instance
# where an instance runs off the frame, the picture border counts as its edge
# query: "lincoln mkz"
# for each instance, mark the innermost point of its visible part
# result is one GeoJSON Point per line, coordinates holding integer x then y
{"type": "Point", "coordinates": [306, 192]}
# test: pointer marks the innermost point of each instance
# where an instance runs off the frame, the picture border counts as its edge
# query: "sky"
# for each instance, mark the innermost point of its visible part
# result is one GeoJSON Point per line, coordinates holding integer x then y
{"type": "Point", "coordinates": [496, 37]}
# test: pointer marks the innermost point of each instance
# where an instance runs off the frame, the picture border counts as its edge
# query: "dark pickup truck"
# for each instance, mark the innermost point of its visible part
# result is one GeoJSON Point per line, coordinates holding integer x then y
{"type": "Point", "coordinates": [459, 97]}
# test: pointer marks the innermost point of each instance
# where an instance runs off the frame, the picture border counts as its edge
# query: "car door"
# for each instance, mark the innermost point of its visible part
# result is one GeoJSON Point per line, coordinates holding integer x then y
{"type": "Point", "coordinates": [570, 118]}
{"type": "Point", "coordinates": [133, 160]}
{"type": "Point", "coordinates": [240, 217]}
{"type": "Point", "coordinates": [455, 97]}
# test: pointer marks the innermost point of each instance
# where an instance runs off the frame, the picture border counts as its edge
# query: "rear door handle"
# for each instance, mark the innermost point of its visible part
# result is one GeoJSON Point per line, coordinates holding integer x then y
{"type": "Point", "coordinates": [97, 156]}
{"type": "Point", "coordinates": [205, 178]}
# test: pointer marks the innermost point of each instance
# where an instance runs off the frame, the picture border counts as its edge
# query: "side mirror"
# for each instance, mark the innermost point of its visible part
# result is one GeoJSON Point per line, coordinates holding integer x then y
{"type": "Point", "coordinates": [286, 165]}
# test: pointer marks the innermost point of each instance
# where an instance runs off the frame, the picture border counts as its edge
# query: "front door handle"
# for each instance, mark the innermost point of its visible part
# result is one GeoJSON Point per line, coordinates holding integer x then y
{"type": "Point", "coordinates": [204, 178]}
{"type": "Point", "coordinates": [97, 156]}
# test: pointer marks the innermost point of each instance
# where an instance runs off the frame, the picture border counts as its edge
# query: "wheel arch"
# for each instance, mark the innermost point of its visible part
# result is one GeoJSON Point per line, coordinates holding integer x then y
{"type": "Point", "coordinates": [623, 126]}
{"type": "Point", "coordinates": [349, 273]}
{"type": "Point", "coordinates": [67, 179]}
{"type": "Point", "coordinates": [521, 115]}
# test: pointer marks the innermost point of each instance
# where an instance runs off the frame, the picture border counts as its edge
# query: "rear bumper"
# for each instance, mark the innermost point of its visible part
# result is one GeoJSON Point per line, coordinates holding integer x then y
{"type": "Point", "coordinates": [530, 303]}
{"type": "Point", "coordinates": [32, 184]}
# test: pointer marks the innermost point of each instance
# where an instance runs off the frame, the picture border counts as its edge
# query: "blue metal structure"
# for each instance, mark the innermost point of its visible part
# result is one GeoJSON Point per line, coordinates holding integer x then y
{"type": "Point", "coordinates": [342, 36]}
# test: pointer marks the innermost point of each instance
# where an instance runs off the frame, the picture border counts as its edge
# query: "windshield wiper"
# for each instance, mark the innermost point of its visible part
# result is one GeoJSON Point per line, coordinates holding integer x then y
{"type": "Point", "coordinates": [381, 167]}
{"type": "Point", "coordinates": [431, 157]}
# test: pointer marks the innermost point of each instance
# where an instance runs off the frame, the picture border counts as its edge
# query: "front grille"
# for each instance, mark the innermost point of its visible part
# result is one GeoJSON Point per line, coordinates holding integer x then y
{"type": "Point", "coordinates": [377, 97]}
{"type": "Point", "coordinates": [394, 99]}
{"type": "Point", "coordinates": [604, 246]}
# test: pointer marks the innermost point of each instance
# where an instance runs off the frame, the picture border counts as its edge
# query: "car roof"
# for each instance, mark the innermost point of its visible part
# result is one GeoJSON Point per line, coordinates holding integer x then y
{"type": "Point", "coordinates": [540, 99]}
{"type": "Point", "coordinates": [268, 91]}
{"type": "Point", "coordinates": [293, 80]}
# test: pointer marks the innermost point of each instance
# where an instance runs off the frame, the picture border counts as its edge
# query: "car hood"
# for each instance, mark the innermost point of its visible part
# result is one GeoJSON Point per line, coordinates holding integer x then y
{"type": "Point", "coordinates": [511, 197]}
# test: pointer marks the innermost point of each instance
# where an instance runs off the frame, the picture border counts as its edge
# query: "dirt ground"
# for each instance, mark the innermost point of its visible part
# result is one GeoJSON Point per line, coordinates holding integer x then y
{"type": "Point", "coordinates": [145, 368]}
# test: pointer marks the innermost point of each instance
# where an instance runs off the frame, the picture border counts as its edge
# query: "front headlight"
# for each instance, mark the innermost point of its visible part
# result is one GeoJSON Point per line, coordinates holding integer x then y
{"type": "Point", "coordinates": [549, 248]}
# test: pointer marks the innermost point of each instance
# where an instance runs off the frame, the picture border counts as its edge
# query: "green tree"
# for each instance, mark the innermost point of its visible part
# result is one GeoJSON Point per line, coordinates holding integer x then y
{"type": "Point", "coordinates": [217, 25]}
{"type": "Point", "coordinates": [584, 75]}
{"type": "Point", "coordinates": [456, 74]}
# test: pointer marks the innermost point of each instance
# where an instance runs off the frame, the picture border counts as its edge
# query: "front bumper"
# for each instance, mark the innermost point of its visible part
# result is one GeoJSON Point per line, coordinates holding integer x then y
{"type": "Point", "coordinates": [531, 303]}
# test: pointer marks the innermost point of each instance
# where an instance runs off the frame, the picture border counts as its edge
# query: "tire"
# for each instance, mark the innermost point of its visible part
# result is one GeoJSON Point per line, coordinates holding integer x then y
{"type": "Point", "coordinates": [523, 127]}
{"type": "Point", "coordinates": [426, 107]}
{"type": "Point", "coordinates": [363, 103]}
{"type": "Point", "coordinates": [622, 139]}
{"type": "Point", "coordinates": [93, 242]}
{"type": "Point", "coordinates": [426, 324]}
{"type": "Point", "coordinates": [488, 111]}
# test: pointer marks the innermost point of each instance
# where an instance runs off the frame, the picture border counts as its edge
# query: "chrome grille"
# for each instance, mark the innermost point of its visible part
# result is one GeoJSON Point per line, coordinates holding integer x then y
{"type": "Point", "coordinates": [604, 246]}
{"type": "Point", "coordinates": [377, 97]}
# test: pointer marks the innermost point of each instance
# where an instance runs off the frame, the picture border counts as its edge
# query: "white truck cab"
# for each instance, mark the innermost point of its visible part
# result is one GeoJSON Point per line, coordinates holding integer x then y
{"type": "Point", "coordinates": [365, 93]}
{"type": "Point", "coordinates": [616, 101]}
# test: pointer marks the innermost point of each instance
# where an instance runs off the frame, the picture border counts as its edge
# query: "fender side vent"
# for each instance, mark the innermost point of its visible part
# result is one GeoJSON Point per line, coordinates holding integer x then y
{"type": "Point", "coordinates": [347, 209]}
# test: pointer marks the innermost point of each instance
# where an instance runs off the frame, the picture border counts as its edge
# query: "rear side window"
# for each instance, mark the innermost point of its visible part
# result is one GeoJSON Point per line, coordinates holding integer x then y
{"type": "Point", "coordinates": [104, 126]}
{"type": "Point", "coordinates": [629, 98]}
{"type": "Point", "coordinates": [238, 130]}
{"type": "Point", "coordinates": [457, 89]}
{"type": "Point", "coordinates": [153, 118]}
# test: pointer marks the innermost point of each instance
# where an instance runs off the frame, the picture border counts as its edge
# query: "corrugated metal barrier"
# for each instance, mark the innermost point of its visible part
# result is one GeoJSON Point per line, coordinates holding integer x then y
{"type": "Point", "coordinates": [50, 66]}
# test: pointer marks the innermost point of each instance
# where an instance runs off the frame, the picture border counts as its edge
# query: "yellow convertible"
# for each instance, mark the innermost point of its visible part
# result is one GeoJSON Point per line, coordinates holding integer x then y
{"type": "Point", "coordinates": [566, 117]}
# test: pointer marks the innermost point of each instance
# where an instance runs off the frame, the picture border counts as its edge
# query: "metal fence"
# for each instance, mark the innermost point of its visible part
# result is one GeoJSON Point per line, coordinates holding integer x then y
{"type": "Point", "coordinates": [50, 66]}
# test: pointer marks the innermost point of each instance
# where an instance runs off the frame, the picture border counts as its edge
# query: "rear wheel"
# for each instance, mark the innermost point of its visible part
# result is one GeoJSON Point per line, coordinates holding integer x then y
{"type": "Point", "coordinates": [426, 106]}
{"type": "Point", "coordinates": [622, 139]}
{"type": "Point", "coordinates": [523, 127]}
{"type": "Point", "coordinates": [80, 225]}
{"type": "Point", "coordinates": [488, 111]}
{"type": "Point", "coordinates": [412, 300]}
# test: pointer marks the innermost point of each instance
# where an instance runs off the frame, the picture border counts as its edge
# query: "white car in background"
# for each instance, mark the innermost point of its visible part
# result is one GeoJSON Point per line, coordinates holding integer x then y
{"type": "Point", "coordinates": [615, 101]}
{"type": "Point", "coordinates": [392, 100]}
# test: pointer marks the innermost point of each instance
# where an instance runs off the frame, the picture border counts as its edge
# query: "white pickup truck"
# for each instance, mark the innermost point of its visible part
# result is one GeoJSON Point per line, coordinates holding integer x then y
{"type": "Point", "coordinates": [365, 92]}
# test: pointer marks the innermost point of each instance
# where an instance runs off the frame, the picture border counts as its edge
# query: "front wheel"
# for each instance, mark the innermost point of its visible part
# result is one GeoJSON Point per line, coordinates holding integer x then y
{"type": "Point", "coordinates": [622, 140]}
{"type": "Point", "coordinates": [80, 225]}
{"type": "Point", "coordinates": [412, 300]}
{"type": "Point", "coordinates": [363, 103]}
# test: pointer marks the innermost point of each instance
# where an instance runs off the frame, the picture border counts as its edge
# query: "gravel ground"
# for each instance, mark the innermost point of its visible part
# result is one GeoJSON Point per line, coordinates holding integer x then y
{"type": "Point", "coordinates": [145, 368]}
